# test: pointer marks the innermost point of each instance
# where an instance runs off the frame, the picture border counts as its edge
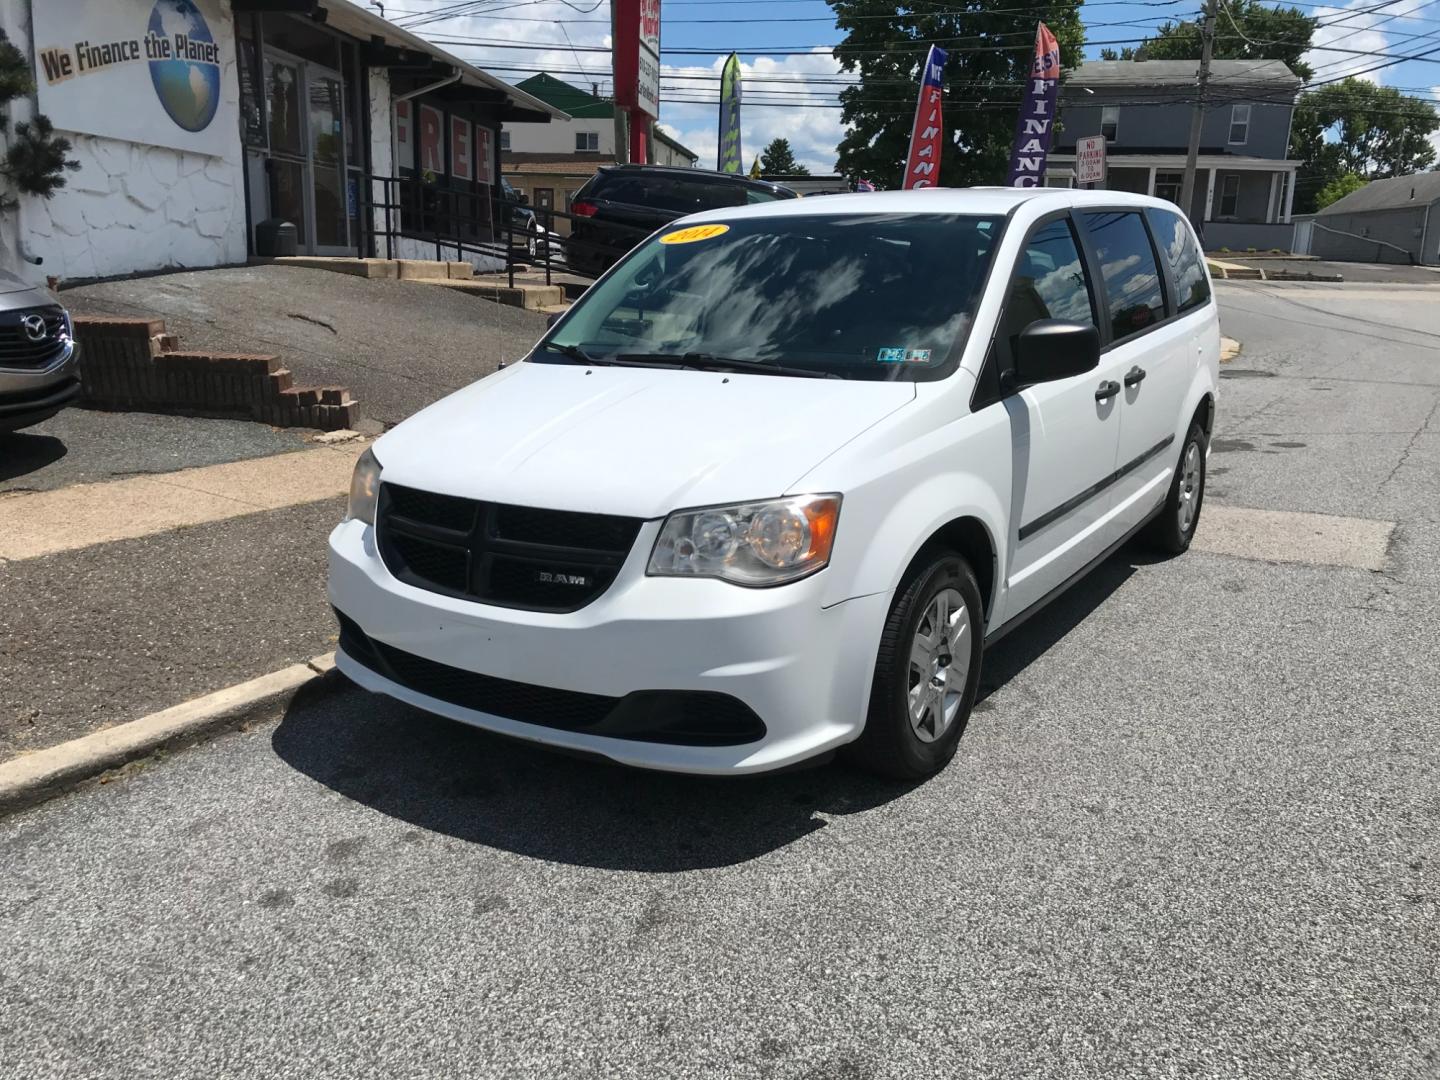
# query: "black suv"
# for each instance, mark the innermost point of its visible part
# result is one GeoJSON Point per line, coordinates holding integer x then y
{"type": "Point", "coordinates": [622, 204]}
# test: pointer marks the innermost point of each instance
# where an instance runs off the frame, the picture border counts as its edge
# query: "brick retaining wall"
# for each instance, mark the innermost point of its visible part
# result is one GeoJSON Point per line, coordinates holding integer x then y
{"type": "Point", "coordinates": [133, 364]}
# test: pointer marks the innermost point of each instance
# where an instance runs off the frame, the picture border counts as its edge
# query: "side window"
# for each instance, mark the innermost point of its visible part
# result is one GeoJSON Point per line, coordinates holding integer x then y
{"type": "Point", "coordinates": [1129, 273]}
{"type": "Point", "coordinates": [1192, 287]}
{"type": "Point", "coordinates": [1049, 282]}
{"type": "Point", "coordinates": [1110, 122]}
{"type": "Point", "coordinates": [1239, 125]}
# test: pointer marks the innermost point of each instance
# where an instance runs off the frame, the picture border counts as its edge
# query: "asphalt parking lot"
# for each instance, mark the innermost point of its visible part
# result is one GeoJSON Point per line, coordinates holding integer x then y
{"type": "Point", "coordinates": [1193, 830]}
{"type": "Point", "coordinates": [396, 345]}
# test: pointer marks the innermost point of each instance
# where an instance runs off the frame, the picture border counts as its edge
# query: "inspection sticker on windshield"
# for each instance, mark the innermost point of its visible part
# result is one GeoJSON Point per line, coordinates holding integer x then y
{"type": "Point", "coordinates": [903, 356]}
{"type": "Point", "coordinates": [694, 234]}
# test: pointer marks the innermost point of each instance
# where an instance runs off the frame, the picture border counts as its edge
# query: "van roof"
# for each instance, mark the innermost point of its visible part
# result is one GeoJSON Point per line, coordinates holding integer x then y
{"type": "Point", "coordinates": [974, 200]}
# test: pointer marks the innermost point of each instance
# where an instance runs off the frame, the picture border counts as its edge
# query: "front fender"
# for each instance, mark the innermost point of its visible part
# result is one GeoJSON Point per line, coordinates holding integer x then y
{"type": "Point", "coordinates": [913, 519]}
{"type": "Point", "coordinates": [906, 483]}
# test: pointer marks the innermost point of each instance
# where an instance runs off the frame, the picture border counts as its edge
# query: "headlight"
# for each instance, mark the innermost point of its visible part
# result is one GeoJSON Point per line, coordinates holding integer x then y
{"type": "Point", "coordinates": [365, 488]}
{"type": "Point", "coordinates": [761, 543]}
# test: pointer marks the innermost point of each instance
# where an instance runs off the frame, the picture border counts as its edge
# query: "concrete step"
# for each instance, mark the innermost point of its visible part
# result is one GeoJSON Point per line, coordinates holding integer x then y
{"type": "Point", "coordinates": [529, 297]}
{"type": "Point", "coordinates": [1229, 271]}
{"type": "Point", "coordinates": [404, 269]}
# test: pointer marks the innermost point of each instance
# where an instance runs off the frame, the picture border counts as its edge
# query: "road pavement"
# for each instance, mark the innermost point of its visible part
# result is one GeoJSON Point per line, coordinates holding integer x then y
{"type": "Point", "coordinates": [81, 446]}
{"type": "Point", "coordinates": [1193, 831]}
{"type": "Point", "coordinates": [129, 585]}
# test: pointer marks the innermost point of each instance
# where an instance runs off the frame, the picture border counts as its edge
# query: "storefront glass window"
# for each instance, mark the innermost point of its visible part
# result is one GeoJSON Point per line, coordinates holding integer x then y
{"type": "Point", "coordinates": [299, 37]}
{"type": "Point", "coordinates": [282, 107]}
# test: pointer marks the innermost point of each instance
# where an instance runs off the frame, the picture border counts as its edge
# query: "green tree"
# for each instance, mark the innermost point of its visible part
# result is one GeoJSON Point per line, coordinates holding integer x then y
{"type": "Point", "coordinates": [1338, 188]}
{"type": "Point", "coordinates": [778, 160]}
{"type": "Point", "coordinates": [885, 44]}
{"type": "Point", "coordinates": [37, 159]}
{"type": "Point", "coordinates": [1356, 128]}
{"type": "Point", "coordinates": [1244, 30]}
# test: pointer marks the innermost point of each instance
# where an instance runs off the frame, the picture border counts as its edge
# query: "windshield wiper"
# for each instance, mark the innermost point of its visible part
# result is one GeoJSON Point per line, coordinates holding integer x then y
{"type": "Point", "coordinates": [579, 355]}
{"type": "Point", "coordinates": [699, 361]}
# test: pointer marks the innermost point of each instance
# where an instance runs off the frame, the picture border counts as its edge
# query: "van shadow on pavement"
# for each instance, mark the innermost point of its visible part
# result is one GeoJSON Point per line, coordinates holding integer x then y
{"type": "Point", "coordinates": [448, 778]}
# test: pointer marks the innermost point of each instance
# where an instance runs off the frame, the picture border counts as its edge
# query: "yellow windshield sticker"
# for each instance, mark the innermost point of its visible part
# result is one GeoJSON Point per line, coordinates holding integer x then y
{"type": "Point", "coordinates": [694, 234]}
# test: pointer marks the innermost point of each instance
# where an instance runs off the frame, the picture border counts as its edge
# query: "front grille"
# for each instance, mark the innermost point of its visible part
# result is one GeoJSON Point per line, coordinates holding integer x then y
{"type": "Point", "coordinates": [510, 556]}
{"type": "Point", "coordinates": [18, 352]}
{"type": "Point", "coordinates": [676, 717]}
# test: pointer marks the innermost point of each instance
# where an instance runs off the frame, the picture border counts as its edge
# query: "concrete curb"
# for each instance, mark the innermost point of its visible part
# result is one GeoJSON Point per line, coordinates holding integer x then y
{"type": "Point", "coordinates": [33, 778]}
{"type": "Point", "coordinates": [1229, 349]}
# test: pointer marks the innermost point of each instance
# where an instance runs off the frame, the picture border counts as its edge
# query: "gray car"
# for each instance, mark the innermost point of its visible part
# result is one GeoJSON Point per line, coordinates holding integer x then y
{"type": "Point", "coordinates": [39, 360]}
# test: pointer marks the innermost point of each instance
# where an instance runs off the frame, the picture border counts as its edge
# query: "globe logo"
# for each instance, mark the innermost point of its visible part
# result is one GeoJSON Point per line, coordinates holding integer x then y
{"type": "Point", "coordinates": [187, 84]}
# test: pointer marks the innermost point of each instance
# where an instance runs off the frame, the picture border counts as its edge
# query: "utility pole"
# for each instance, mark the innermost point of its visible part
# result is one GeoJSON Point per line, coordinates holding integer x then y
{"type": "Point", "coordinates": [1197, 115]}
{"type": "Point", "coordinates": [622, 129]}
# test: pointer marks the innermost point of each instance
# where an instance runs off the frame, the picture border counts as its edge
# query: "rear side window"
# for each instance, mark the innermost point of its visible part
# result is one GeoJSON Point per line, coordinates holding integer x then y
{"type": "Point", "coordinates": [1128, 271]}
{"type": "Point", "coordinates": [1177, 244]}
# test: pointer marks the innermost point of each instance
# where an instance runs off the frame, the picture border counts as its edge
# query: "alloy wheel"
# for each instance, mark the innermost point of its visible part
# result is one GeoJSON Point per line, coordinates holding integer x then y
{"type": "Point", "coordinates": [939, 665]}
{"type": "Point", "coordinates": [1190, 481]}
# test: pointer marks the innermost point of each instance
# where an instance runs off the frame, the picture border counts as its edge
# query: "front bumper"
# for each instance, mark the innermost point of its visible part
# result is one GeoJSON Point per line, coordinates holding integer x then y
{"type": "Point", "coordinates": [803, 670]}
{"type": "Point", "coordinates": [28, 397]}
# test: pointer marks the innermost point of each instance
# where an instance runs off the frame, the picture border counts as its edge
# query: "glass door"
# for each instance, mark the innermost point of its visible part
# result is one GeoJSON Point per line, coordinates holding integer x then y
{"type": "Point", "coordinates": [305, 107]}
{"type": "Point", "coordinates": [287, 167]}
{"type": "Point", "coordinates": [326, 96]}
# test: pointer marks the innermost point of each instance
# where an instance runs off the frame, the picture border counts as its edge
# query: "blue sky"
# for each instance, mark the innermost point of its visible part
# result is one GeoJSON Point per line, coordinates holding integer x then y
{"type": "Point", "coordinates": [568, 37]}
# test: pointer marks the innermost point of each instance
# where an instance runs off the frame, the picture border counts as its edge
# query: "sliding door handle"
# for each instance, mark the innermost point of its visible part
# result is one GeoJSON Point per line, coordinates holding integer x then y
{"type": "Point", "coordinates": [1135, 376]}
{"type": "Point", "coordinates": [1106, 390]}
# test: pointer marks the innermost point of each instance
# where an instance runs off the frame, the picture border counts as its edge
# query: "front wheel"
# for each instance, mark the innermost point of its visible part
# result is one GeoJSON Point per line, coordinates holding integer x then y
{"type": "Point", "coordinates": [926, 673]}
{"type": "Point", "coordinates": [1173, 530]}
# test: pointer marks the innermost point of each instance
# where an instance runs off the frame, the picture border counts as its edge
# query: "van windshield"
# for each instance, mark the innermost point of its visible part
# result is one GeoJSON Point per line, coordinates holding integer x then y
{"type": "Point", "coordinates": [876, 297]}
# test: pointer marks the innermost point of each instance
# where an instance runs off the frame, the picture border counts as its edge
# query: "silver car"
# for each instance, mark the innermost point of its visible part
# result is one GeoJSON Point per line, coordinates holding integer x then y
{"type": "Point", "coordinates": [39, 360]}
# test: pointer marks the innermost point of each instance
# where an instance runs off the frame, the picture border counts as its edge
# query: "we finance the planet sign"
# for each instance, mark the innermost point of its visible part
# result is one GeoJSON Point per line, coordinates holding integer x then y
{"type": "Point", "coordinates": [147, 71]}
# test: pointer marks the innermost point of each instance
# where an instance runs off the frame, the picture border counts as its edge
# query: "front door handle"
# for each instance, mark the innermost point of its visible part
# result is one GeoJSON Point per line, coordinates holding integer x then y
{"type": "Point", "coordinates": [1107, 390]}
{"type": "Point", "coordinates": [1135, 376]}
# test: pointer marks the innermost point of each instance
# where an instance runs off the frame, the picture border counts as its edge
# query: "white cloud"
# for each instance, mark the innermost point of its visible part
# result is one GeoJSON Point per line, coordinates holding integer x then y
{"type": "Point", "coordinates": [1435, 135]}
{"type": "Point", "coordinates": [814, 133]}
{"type": "Point", "coordinates": [1380, 31]}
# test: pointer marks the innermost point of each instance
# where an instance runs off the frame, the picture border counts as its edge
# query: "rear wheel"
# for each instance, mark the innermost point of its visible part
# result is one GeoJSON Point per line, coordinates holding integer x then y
{"type": "Point", "coordinates": [926, 673]}
{"type": "Point", "coordinates": [1173, 530]}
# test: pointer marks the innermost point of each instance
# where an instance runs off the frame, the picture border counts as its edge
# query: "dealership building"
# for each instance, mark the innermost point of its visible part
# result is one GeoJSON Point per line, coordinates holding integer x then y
{"type": "Point", "coordinates": [199, 124]}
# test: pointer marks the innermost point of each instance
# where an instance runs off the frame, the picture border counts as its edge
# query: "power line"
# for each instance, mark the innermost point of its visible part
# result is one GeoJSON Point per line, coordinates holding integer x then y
{"type": "Point", "coordinates": [886, 48]}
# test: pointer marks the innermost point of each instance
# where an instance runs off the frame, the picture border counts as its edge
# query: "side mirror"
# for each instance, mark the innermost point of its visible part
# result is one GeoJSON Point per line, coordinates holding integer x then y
{"type": "Point", "coordinates": [1051, 349]}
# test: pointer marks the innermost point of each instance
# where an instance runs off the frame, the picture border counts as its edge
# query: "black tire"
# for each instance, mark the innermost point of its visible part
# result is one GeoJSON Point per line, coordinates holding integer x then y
{"type": "Point", "coordinates": [1171, 532]}
{"type": "Point", "coordinates": [890, 744]}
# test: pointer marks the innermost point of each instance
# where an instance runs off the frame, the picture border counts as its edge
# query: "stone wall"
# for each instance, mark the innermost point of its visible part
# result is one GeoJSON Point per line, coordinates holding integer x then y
{"type": "Point", "coordinates": [131, 207]}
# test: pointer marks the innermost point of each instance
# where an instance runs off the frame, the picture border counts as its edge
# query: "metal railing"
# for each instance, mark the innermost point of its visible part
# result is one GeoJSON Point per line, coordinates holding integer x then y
{"type": "Point", "coordinates": [469, 225]}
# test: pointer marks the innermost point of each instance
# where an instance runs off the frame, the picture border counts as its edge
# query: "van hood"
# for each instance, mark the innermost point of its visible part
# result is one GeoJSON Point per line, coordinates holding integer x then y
{"type": "Point", "coordinates": [639, 442]}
